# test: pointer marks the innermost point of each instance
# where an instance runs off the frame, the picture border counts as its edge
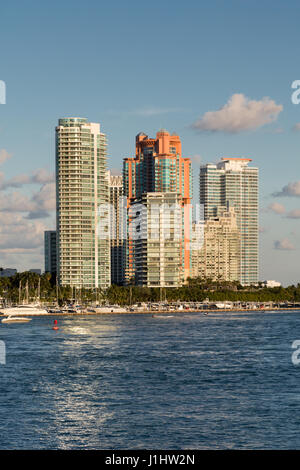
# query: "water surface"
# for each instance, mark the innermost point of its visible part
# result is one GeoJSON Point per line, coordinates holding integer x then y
{"type": "Point", "coordinates": [186, 381]}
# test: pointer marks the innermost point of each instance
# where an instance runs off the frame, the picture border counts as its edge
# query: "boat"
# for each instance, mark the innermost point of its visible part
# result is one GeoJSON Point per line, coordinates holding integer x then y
{"type": "Point", "coordinates": [27, 309]}
{"type": "Point", "coordinates": [15, 319]}
{"type": "Point", "coordinates": [107, 309]}
{"type": "Point", "coordinates": [55, 310]}
{"type": "Point", "coordinates": [162, 316]}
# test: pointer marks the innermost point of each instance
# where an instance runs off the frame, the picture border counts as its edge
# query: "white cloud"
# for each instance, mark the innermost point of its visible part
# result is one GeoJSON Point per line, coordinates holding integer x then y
{"type": "Point", "coordinates": [15, 202]}
{"type": "Point", "coordinates": [21, 227]}
{"type": "Point", "coordinates": [45, 198]}
{"type": "Point", "coordinates": [197, 159]}
{"type": "Point", "coordinates": [4, 155]}
{"type": "Point", "coordinates": [239, 114]}
{"type": "Point", "coordinates": [296, 127]}
{"type": "Point", "coordinates": [284, 244]}
{"type": "Point", "coordinates": [40, 176]}
{"type": "Point", "coordinates": [294, 214]}
{"type": "Point", "coordinates": [17, 233]}
{"type": "Point", "coordinates": [21, 240]}
{"type": "Point", "coordinates": [39, 205]}
{"type": "Point", "coordinates": [277, 208]}
{"type": "Point", "coordinates": [291, 189]}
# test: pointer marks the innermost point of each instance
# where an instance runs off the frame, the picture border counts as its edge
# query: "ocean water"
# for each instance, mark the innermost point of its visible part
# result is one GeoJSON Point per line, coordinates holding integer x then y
{"type": "Point", "coordinates": [187, 381]}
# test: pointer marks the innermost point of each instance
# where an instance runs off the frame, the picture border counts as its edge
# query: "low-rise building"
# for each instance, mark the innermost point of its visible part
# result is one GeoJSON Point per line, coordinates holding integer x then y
{"type": "Point", "coordinates": [271, 284]}
{"type": "Point", "coordinates": [8, 272]}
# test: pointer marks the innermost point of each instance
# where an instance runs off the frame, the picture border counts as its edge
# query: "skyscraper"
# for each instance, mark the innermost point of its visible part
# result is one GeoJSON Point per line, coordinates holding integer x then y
{"type": "Point", "coordinates": [232, 182]}
{"type": "Point", "coordinates": [158, 167]}
{"type": "Point", "coordinates": [50, 251]}
{"type": "Point", "coordinates": [158, 249]}
{"type": "Point", "coordinates": [83, 244]}
{"type": "Point", "coordinates": [117, 228]}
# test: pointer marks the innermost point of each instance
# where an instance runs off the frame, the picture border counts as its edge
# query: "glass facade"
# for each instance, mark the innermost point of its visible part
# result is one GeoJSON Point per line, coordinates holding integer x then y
{"type": "Point", "coordinates": [159, 167]}
{"type": "Point", "coordinates": [82, 186]}
{"type": "Point", "coordinates": [233, 183]}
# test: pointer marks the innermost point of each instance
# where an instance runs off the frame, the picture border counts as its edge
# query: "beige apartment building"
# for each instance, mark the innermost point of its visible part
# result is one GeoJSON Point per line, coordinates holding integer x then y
{"type": "Point", "coordinates": [216, 248]}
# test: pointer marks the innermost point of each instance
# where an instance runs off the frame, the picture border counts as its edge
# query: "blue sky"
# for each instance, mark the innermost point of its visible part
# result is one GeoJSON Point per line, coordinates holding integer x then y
{"type": "Point", "coordinates": [139, 66]}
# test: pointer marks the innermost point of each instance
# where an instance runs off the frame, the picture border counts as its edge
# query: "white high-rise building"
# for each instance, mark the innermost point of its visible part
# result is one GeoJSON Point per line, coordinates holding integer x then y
{"type": "Point", "coordinates": [158, 225]}
{"type": "Point", "coordinates": [232, 182]}
{"type": "Point", "coordinates": [82, 187]}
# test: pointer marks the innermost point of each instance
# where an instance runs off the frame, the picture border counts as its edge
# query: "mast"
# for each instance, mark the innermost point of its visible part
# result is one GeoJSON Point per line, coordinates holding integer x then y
{"type": "Point", "coordinates": [57, 291]}
{"type": "Point", "coordinates": [20, 290]}
{"type": "Point", "coordinates": [39, 290]}
{"type": "Point", "coordinates": [27, 293]}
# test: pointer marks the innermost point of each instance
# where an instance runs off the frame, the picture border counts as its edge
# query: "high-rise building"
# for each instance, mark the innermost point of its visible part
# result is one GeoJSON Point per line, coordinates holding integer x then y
{"type": "Point", "coordinates": [158, 242]}
{"type": "Point", "coordinates": [233, 182]}
{"type": "Point", "coordinates": [83, 244]}
{"type": "Point", "coordinates": [50, 251]}
{"type": "Point", "coordinates": [117, 228]}
{"type": "Point", "coordinates": [216, 248]}
{"type": "Point", "coordinates": [158, 166]}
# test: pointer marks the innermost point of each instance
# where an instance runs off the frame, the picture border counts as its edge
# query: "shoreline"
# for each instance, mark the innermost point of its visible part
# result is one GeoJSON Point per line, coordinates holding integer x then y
{"type": "Point", "coordinates": [156, 312]}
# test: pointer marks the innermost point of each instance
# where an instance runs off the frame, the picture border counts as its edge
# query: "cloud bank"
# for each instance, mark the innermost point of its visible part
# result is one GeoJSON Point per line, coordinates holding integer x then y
{"type": "Point", "coordinates": [284, 244]}
{"type": "Point", "coordinates": [290, 190]}
{"type": "Point", "coordinates": [4, 155]}
{"type": "Point", "coordinates": [239, 114]}
{"type": "Point", "coordinates": [277, 208]}
{"type": "Point", "coordinates": [22, 215]}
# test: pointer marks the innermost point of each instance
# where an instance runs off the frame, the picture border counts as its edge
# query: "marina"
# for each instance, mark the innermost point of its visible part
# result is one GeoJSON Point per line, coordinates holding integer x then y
{"type": "Point", "coordinates": [153, 309]}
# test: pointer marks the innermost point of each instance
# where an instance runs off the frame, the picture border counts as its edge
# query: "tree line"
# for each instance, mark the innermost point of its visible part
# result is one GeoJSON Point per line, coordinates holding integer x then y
{"type": "Point", "coordinates": [44, 287]}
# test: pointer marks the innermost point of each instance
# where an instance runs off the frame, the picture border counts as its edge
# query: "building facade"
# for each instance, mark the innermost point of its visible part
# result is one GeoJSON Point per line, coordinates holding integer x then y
{"type": "Point", "coordinates": [158, 167]}
{"type": "Point", "coordinates": [117, 228]}
{"type": "Point", "coordinates": [50, 251]}
{"type": "Point", "coordinates": [8, 272]}
{"type": "Point", "coordinates": [156, 228]}
{"type": "Point", "coordinates": [233, 182]}
{"type": "Point", "coordinates": [216, 248]}
{"type": "Point", "coordinates": [83, 244]}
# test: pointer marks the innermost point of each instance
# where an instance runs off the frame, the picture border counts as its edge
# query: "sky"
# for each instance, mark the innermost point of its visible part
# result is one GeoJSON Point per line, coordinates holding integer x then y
{"type": "Point", "coordinates": [218, 73]}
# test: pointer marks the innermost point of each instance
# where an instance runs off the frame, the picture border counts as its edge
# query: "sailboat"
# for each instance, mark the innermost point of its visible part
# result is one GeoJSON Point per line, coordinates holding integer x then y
{"type": "Point", "coordinates": [24, 309]}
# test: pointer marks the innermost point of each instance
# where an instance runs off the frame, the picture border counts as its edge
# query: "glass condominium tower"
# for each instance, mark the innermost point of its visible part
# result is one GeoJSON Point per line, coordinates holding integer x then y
{"type": "Point", "coordinates": [159, 167]}
{"type": "Point", "coordinates": [232, 183]}
{"type": "Point", "coordinates": [81, 187]}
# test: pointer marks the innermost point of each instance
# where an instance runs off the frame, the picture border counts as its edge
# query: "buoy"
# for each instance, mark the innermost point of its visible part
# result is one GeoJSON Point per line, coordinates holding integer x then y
{"type": "Point", "coordinates": [55, 327]}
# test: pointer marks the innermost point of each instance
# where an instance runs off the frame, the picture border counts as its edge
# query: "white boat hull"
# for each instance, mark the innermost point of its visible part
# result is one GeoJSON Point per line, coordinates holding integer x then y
{"type": "Point", "coordinates": [24, 310]}
{"type": "Point", "coordinates": [111, 309]}
{"type": "Point", "coordinates": [14, 319]}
